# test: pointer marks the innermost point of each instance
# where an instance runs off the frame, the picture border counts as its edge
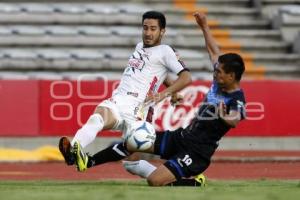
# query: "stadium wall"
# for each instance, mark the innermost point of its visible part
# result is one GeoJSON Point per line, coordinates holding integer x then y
{"type": "Point", "coordinates": [19, 108]}
{"type": "Point", "coordinates": [59, 107]}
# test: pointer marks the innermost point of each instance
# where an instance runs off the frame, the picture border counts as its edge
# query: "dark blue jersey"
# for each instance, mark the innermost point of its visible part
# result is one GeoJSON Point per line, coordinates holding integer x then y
{"type": "Point", "coordinates": [207, 126]}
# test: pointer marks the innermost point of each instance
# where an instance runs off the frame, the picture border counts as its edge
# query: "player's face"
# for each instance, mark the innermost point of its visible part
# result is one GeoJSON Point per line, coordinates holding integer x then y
{"type": "Point", "coordinates": [222, 78]}
{"type": "Point", "coordinates": [152, 33]}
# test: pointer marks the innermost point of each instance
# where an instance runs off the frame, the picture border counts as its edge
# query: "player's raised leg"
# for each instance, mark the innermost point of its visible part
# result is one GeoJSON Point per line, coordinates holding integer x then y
{"type": "Point", "coordinates": [103, 118]}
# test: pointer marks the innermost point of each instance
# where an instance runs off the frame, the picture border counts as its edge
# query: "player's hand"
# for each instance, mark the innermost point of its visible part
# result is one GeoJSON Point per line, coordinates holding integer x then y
{"type": "Point", "coordinates": [176, 99]}
{"type": "Point", "coordinates": [200, 19]}
{"type": "Point", "coordinates": [156, 98]}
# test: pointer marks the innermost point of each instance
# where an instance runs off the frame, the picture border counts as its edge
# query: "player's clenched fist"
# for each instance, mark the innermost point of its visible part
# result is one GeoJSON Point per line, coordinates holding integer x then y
{"type": "Point", "coordinates": [200, 19]}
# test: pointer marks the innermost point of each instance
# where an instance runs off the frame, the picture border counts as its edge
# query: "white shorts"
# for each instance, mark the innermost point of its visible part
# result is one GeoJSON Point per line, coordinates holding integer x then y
{"type": "Point", "coordinates": [125, 110]}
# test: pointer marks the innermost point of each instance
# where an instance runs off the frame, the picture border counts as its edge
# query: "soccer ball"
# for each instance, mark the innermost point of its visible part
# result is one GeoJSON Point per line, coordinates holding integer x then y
{"type": "Point", "coordinates": [142, 136]}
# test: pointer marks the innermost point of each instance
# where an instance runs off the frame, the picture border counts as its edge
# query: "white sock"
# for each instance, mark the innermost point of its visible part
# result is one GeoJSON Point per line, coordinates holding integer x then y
{"type": "Point", "coordinates": [88, 132]}
{"type": "Point", "coordinates": [141, 168]}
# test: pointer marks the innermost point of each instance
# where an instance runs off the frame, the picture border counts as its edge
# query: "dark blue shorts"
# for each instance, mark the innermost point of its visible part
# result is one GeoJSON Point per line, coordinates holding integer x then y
{"type": "Point", "coordinates": [185, 158]}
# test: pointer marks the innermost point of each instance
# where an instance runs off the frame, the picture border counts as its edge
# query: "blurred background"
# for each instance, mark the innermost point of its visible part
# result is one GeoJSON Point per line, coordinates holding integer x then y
{"type": "Point", "coordinates": [59, 59]}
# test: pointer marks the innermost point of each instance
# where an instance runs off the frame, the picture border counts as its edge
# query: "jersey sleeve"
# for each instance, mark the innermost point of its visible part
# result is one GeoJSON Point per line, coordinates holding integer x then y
{"type": "Point", "coordinates": [172, 61]}
{"type": "Point", "coordinates": [238, 104]}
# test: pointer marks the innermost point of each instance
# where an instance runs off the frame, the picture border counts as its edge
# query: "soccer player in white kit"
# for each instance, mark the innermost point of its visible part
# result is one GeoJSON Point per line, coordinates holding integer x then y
{"type": "Point", "coordinates": [146, 70]}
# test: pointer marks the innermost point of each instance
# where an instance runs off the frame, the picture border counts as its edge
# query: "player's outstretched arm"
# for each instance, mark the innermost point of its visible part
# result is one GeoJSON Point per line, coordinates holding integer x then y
{"type": "Point", "coordinates": [211, 44]}
{"type": "Point", "coordinates": [183, 79]}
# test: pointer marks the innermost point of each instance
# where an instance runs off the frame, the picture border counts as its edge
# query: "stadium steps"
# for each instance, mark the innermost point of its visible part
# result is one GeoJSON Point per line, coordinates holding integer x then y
{"type": "Point", "coordinates": [110, 36]}
{"type": "Point", "coordinates": [129, 42]}
{"type": "Point", "coordinates": [126, 37]}
{"type": "Point", "coordinates": [235, 33]}
{"type": "Point", "coordinates": [78, 59]}
{"type": "Point", "coordinates": [114, 26]}
{"type": "Point", "coordinates": [218, 12]}
{"type": "Point", "coordinates": [118, 19]}
{"type": "Point", "coordinates": [60, 75]}
{"type": "Point", "coordinates": [60, 59]}
{"type": "Point", "coordinates": [109, 13]}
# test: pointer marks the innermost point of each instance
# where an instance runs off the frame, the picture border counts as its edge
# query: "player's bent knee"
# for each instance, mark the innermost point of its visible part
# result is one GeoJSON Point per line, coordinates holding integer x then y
{"type": "Point", "coordinates": [107, 116]}
{"type": "Point", "coordinates": [104, 112]}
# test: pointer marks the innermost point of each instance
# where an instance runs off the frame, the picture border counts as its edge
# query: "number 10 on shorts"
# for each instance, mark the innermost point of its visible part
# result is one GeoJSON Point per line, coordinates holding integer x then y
{"type": "Point", "coordinates": [187, 160]}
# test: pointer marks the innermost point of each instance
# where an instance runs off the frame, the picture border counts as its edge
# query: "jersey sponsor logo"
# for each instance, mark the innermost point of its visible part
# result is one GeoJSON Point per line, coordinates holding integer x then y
{"type": "Point", "coordinates": [135, 63]}
{"type": "Point", "coordinates": [135, 94]}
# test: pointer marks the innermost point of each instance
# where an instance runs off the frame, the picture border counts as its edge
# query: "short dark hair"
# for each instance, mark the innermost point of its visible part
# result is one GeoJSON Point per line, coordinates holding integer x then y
{"type": "Point", "coordinates": [233, 62]}
{"type": "Point", "coordinates": [155, 15]}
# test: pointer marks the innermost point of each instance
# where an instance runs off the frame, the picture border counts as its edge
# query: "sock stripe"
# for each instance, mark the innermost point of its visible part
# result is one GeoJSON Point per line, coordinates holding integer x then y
{"type": "Point", "coordinates": [117, 150]}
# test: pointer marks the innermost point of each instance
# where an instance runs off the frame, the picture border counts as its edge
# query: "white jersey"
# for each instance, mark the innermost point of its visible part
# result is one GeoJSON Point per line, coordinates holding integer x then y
{"type": "Point", "coordinates": [146, 70]}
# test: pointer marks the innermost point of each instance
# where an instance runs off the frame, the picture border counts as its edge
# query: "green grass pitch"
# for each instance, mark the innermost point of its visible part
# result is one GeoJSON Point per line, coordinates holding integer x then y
{"type": "Point", "coordinates": [138, 190]}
